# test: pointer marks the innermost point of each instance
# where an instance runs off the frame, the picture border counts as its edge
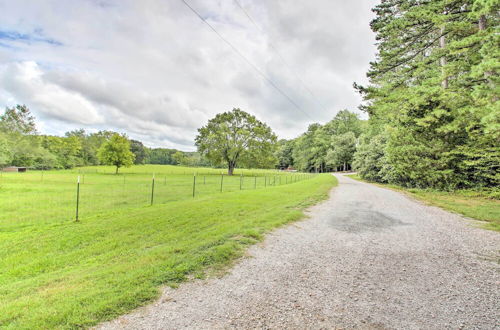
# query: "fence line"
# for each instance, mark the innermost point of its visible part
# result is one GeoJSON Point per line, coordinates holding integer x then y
{"type": "Point", "coordinates": [46, 197]}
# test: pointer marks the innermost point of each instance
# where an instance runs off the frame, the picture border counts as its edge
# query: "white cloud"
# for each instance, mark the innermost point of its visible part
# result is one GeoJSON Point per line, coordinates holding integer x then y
{"type": "Point", "coordinates": [25, 81]}
{"type": "Point", "coordinates": [151, 68]}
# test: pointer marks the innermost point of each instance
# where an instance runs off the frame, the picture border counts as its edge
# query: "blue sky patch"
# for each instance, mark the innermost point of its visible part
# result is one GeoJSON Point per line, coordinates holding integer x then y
{"type": "Point", "coordinates": [29, 38]}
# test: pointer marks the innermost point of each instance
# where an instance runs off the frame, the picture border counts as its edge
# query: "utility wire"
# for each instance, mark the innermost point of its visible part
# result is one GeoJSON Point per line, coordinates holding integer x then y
{"type": "Point", "coordinates": [272, 83]}
{"type": "Point", "coordinates": [281, 57]}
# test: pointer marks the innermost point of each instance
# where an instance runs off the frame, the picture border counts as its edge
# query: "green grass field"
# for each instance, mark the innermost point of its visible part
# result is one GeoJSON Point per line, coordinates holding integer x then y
{"type": "Point", "coordinates": [472, 204]}
{"type": "Point", "coordinates": [38, 197]}
{"type": "Point", "coordinates": [58, 273]}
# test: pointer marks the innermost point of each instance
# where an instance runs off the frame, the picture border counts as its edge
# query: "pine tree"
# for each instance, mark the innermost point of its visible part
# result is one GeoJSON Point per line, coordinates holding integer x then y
{"type": "Point", "coordinates": [433, 89]}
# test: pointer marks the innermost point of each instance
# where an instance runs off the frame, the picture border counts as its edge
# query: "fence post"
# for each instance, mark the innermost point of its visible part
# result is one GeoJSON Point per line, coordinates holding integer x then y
{"type": "Point", "coordinates": [77, 197]}
{"type": "Point", "coordinates": [152, 189]}
{"type": "Point", "coordinates": [221, 181]}
{"type": "Point", "coordinates": [194, 184]}
{"type": "Point", "coordinates": [241, 180]}
{"type": "Point", "coordinates": [165, 181]}
{"type": "Point", "coordinates": [255, 182]}
{"type": "Point", "coordinates": [265, 181]}
{"type": "Point", "coordinates": [204, 181]}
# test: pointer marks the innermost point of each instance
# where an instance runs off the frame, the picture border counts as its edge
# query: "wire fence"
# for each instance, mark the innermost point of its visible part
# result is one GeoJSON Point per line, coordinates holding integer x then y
{"type": "Point", "coordinates": [59, 196]}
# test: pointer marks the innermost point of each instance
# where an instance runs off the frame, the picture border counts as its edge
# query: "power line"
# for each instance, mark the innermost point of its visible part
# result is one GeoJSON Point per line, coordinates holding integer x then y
{"type": "Point", "coordinates": [272, 83]}
{"type": "Point", "coordinates": [281, 57]}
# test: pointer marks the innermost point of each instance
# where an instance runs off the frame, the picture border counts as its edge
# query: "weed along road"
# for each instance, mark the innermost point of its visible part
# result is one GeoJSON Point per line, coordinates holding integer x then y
{"type": "Point", "coordinates": [368, 257]}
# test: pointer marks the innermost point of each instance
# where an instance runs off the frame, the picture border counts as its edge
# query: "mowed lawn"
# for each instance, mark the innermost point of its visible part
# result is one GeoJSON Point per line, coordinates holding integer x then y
{"type": "Point", "coordinates": [64, 274]}
{"type": "Point", "coordinates": [472, 204]}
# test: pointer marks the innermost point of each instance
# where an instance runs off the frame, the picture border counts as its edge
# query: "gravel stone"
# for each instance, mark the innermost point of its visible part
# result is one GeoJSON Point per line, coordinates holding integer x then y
{"type": "Point", "coordinates": [367, 258]}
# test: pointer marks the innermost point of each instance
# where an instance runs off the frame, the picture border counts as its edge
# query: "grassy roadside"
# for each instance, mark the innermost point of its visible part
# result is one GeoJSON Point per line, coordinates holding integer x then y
{"type": "Point", "coordinates": [68, 275]}
{"type": "Point", "coordinates": [469, 203]}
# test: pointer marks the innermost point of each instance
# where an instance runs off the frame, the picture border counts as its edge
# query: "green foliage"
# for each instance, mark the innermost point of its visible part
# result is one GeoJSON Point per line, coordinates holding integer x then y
{"type": "Point", "coordinates": [5, 155]}
{"type": "Point", "coordinates": [321, 149]}
{"type": "Point", "coordinates": [17, 119]}
{"type": "Point", "coordinates": [236, 137]}
{"type": "Point", "coordinates": [64, 149]}
{"type": "Point", "coordinates": [21, 146]}
{"type": "Point", "coordinates": [180, 158]}
{"type": "Point", "coordinates": [369, 159]}
{"type": "Point", "coordinates": [284, 154]}
{"type": "Point", "coordinates": [434, 91]}
{"type": "Point", "coordinates": [161, 156]}
{"type": "Point", "coordinates": [344, 122]}
{"type": "Point", "coordinates": [116, 151]}
{"type": "Point", "coordinates": [139, 150]}
{"type": "Point", "coordinates": [342, 151]}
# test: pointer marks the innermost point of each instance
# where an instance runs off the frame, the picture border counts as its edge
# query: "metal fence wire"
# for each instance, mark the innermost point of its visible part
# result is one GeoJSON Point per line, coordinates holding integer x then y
{"type": "Point", "coordinates": [56, 196]}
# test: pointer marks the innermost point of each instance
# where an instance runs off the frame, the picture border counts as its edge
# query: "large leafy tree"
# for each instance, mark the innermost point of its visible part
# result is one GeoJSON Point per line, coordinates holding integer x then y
{"type": "Point", "coordinates": [116, 152]}
{"type": "Point", "coordinates": [236, 137]}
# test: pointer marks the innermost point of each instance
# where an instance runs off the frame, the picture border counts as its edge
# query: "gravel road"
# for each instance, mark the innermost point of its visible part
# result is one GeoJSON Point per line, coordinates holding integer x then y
{"type": "Point", "coordinates": [367, 258]}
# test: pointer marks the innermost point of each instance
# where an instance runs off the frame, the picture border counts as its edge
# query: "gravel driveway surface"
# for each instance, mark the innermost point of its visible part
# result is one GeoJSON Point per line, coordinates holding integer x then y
{"type": "Point", "coordinates": [368, 258]}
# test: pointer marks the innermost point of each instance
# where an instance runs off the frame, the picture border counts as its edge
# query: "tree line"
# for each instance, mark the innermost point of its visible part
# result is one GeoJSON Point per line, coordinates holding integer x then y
{"type": "Point", "coordinates": [21, 145]}
{"type": "Point", "coordinates": [231, 139]}
{"type": "Point", "coordinates": [323, 148]}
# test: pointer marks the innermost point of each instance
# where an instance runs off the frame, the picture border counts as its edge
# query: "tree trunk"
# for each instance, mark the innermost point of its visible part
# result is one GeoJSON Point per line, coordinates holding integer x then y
{"type": "Point", "coordinates": [442, 60]}
{"type": "Point", "coordinates": [230, 168]}
{"type": "Point", "coordinates": [117, 167]}
{"type": "Point", "coordinates": [482, 23]}
{"type": "Point", "coordinates": [345, 167]}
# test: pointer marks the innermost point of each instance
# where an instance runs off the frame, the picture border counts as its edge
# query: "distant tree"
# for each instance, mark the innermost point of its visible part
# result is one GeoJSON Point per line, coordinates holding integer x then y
{"type": "Point", "coordinates": [306, 155]}
{"type": "Point", "coordinates": [234, 136]}
{"type": "Point", "coordinates": [160, 156]}
{"type": "Point", "coordinates": [24, 150]}
{"type": "Point", "coordinates": [65, 149]}
{"type": "Point", "coordinates": [344, 121]}
{"type": "Point", "coordinates": [5, 153]}
{"type": "Point", "coordinates": [94, 142]}
{"type": "Point", "coordinates": [17, 119]}
{"type": "Point", "coordinates": [342, 151]}
{"type": "Point", "coordinates": [284, 154]}
{"type": "Point", "coordinates": [116, 151]}
{"type": "Point", "coordinates": [87, 154]}
{"type": "Point", "coordinates": [139, 151]}
{"type": "Point", "coordinates": [180, 158]}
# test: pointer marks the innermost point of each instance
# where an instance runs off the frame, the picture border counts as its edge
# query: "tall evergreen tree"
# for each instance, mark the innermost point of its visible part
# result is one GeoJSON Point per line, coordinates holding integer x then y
{"type": "Point", "coordinates": [433, 91]}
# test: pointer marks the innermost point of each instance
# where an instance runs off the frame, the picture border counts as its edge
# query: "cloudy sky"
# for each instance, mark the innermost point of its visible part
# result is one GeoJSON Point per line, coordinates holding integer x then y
{"type": "Point", "coordinates": [156, 71]}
